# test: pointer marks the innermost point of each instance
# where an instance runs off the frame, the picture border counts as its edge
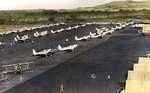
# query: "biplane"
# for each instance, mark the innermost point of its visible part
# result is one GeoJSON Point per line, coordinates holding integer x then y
{"type": "Point", "coordinates": [15, 68]}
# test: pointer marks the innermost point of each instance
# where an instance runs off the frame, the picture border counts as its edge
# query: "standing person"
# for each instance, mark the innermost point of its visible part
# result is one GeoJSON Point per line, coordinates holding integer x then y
{"type": "Point", "coordinates": [108, 78]}
{"type": "Point", "coordinates": [61, 88]}
{"type": "Point", "coordinates": [21, 79]}
{"type": "Point", "coordinates": [18, 68]}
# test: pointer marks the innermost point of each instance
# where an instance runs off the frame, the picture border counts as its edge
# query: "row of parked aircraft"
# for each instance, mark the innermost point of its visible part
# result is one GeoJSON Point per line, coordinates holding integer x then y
{"type": "Point", "coordinates": [67, 29]}
{"type": "Point", "coordinates": [29, 29]}
{"type": "Point", "coordinates": [13, 68]}
{"type": "Point", "coordinates": [25, 38]}
{"type": "Point", "coordinates": [50, 52]}
{"type": "Point", "coordinates": [98, 34]}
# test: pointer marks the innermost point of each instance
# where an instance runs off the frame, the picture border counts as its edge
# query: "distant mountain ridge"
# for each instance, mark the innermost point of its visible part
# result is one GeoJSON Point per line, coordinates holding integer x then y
{"type": "Point", "coordinates": [125, 5]}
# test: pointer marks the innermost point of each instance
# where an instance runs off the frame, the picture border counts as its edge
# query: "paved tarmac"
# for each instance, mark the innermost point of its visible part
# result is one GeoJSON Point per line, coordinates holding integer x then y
{"type": "Point", "coordinates": [109, 61]}
{"type": "Point", "coordinates": [22, 52]}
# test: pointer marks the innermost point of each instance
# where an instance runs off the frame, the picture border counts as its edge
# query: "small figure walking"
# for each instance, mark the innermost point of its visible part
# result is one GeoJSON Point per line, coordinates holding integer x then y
{"type": "Point", "coordinates": [67, 40]}
{"type": "Point", "coordinates": [21, 79]}
{"type": "Point", "coordinates": [108, 77]}
{"type": "Point", "coordinates": [61, 88]}
{"type": "Point", "coordinates": [93, 76]}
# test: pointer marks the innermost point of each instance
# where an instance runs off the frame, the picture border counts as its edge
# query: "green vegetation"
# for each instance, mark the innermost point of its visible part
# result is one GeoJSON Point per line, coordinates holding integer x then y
{"type": "Point", "coordinates": [114, 11]}
{"type": "Point", "coordinates": [124, 5]}
{"type": "Point", "coordinates": [50, 16]}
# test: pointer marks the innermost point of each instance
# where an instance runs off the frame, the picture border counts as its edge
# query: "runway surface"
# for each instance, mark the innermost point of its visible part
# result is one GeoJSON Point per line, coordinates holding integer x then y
{"type": "Point", "coordinates": [112, 58]}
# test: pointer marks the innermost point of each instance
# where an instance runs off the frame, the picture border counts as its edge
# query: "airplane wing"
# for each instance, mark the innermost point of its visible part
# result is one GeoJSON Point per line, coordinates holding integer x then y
{"type": "Point", "coordinates": [26, 65]}
{"type": "Point", "coordinates": [11, 68]}
{"type": "Point", "coordinates": [2, 77]}
{"type": "Point", "coordinates": [1, 43]}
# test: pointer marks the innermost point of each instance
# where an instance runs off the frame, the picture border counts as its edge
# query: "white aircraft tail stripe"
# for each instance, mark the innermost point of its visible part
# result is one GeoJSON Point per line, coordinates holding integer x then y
{"type": "Point", "coordinates": [18, 37]}
{"type": "Point", "coordinates": [76, 38]}
{"type": "Point", "coordinates": [34, 52]}
{"type": "Point", "coordinates": [15, 39]}
{"type": "Point", "coordinates": [92, 34]}
{"type": "Point", "coordinates": [59, 47]}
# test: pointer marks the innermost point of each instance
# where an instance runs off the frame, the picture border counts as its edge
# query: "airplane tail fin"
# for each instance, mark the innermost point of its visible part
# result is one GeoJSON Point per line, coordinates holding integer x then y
{"type": "Point", "coordinates": [46, 32]}
{"type": "Point", "coordinates": [27, 37]}
{"type": "Point", "coordinates": [35, 35]}
{"type": "Point", "coordinates": [34, 52]}
{"type": "Point", "coordinates": [97, 29]}
{"type": "Point", "coordinates": [15, 39]}
{"type": "Point", "coordinates": [52, 31]}
{"type": "Point", "coordinates": [91, 34]}
{"type": "Point", "coordinates": [59, 47]}
{"type": "Point", "coordinates": [76, 38]}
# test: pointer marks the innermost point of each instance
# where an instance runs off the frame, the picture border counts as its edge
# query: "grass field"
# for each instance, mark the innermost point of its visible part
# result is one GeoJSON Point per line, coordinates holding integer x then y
{"type": "Point", "coordinates": [125, 5]}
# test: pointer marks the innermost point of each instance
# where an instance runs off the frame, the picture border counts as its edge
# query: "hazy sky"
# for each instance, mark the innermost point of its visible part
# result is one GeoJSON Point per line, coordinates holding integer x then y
{"type": "Point", "coordinates": [48, 4]}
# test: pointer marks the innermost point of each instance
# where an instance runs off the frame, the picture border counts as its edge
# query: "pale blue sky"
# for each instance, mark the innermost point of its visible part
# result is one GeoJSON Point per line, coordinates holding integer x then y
{"type": "Point", "coordinates": [49, 4]}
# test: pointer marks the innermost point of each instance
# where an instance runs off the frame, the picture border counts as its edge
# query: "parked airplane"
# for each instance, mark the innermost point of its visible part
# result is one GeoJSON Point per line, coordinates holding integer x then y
{"type": "Point", "coordinates": [43, 33]}
{"type": "Point", "coordinates": [84, 38]}
{"type": "Point", "coordinates": [15, 68]}
{"type": "Point", "coordinates": [110, 31]}
{"type": "Point", "coordinates": [1, 43]}
{"type": "Point", "coordinates": [95, 35]}
{"type": "Point", "coordinates": [83, 25]}
{"type": "Point", "coordinates": [71, 48]}
{"type": "Point", "coordinates": [36, 34]}
{"type": "Point", "coordinates": [76, 27]}
{"type": "Point", "coordinates": [23, 38]}
{"type": "Point", "coordinates": [45, 52]}
{"type": "Point", "coordinates": [69, 28]}
{"type": "Point", "coordinates": [99, 31]}
{"type": "Point", "coordinates": [57, 31]}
